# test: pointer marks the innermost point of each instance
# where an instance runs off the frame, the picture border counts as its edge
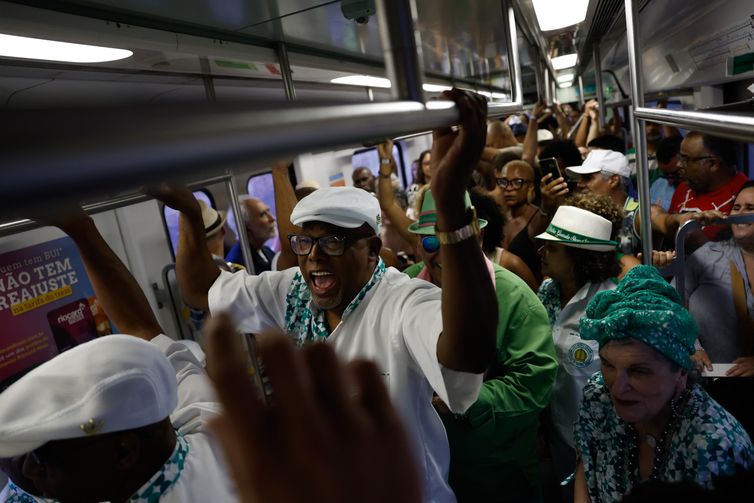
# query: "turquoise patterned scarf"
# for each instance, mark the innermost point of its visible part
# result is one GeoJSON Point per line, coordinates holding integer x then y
{"type": "Point", "coordinates": [304, 321]}
{"type": "Point", "coordinates": [162, 481]}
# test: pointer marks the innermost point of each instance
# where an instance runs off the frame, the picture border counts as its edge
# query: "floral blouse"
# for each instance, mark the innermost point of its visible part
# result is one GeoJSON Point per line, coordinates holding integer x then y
{"type": "Point", "coordinates": [706, 441]}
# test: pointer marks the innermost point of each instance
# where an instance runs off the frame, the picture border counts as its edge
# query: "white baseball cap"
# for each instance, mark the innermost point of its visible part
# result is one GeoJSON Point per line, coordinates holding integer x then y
{"type": "Point", "coordinates": [602, 160]}
{"type": "Point", "coordinates": [114, 383]}
{"type": "Point", "coordinates": [579, 228]}
{"type": "Point", "coordinates": [346, 207]}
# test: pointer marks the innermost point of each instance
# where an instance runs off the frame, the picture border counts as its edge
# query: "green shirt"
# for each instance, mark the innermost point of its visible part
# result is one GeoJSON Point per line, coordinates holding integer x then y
{"type": "Point", "coordinates": [493, 447]}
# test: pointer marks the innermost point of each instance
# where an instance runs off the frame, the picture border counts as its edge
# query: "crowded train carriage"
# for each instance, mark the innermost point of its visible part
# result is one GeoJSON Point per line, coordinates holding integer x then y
{"type": "Point", "coordinates": [376, 250]}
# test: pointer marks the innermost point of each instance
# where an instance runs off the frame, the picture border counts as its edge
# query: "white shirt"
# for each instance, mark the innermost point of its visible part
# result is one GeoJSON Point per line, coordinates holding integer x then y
{"type": "Point", "coordinates": [397, 326]}
{"type": "Point", "coordinates": [578, 359]}
{"type": "Point", "coordinates": [204, 476]}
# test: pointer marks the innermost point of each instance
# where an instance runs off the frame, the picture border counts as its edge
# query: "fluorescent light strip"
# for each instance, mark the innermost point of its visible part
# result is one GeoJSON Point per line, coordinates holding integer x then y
{"type": "Point", "coordinates": [563, 62]}
{"type": "Point", "coordinates": [363, 81]}
{"type": "Point", "coordinates": [435, 88]}
{"type": "Point", "coordinates": [565, 84]}
{"type": "Point", "coordinates": [12, 46]}
{"type": "Point", "coordinates": [556, 14]}
{"type": "Point", "coordinates": [567, 77]}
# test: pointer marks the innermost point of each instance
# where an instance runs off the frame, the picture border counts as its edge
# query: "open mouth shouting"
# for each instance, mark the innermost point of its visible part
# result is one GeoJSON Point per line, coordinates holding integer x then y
{"type": "Point", "coordinates": [321, 282]}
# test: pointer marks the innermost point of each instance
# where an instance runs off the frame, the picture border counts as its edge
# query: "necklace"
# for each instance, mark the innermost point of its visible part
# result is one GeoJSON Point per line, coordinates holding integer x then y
{"type": "Point", "coordinates": [628, 443]}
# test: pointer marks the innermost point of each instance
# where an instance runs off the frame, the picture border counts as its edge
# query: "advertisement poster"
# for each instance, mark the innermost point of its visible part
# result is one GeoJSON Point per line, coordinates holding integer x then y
{"type": "Point", "coordinates": [47, 306]}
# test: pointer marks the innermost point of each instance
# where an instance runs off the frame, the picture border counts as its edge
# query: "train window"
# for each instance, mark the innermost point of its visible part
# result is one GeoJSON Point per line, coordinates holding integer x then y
{"type": "Point", "coordinates": [369, 158]}
{"type": "Point", "coordinates": [261, 187]}
{"type": "Point", "coordinates": [170, 217]}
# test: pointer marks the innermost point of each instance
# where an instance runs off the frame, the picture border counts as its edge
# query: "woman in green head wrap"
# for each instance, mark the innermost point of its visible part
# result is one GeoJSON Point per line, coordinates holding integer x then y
{"type": "Point", "coordinates": [642, 417]}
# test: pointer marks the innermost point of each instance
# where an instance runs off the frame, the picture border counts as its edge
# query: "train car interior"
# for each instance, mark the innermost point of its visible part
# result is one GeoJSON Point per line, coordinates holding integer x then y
{"type": "Point", "coordinates": [102, 98]}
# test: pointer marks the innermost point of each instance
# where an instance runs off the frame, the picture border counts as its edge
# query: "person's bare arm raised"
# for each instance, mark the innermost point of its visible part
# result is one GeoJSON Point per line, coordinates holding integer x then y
{"type": "Point", "coordinates": [116, 289]}
{"type": "Point", "coordinates": [194, 266]}
{"type": "Point", "coordinates": [469, 306]}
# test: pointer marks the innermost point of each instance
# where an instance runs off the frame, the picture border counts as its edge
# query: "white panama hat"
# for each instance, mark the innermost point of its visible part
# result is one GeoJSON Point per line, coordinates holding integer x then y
{"type": "Point", "coordinates": [579, 228]}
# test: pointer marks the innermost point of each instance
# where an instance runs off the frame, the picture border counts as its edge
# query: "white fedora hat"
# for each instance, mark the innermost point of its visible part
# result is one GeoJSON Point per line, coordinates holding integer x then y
{"type": "Point", "coordinates": [579, 228]}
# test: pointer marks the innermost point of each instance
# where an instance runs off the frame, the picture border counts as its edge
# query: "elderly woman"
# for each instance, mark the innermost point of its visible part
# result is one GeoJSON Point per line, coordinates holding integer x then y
{"type": "Point", "coordinates": [580, 260]}
{"type": "Point", "coordinates": [642, 417]}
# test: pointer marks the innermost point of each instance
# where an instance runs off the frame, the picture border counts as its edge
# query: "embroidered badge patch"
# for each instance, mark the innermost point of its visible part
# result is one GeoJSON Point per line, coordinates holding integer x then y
{"type": "Point", "coordinates": [581, 355]}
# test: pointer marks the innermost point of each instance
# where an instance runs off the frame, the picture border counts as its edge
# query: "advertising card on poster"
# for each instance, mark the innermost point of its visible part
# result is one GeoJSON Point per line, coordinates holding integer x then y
{"type": "Point", "coordinates": [47, 306]}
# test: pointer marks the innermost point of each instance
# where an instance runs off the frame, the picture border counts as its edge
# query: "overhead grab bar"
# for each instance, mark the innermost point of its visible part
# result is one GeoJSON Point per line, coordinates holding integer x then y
{"type": "Point", "coordinates": [735, 127]}
{"type": "Point", "coordinates": [21, 225]}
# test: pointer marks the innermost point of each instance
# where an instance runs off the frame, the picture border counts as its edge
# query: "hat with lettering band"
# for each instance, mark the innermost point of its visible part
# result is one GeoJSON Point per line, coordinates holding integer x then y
{"type": "Point", "coordinates": [428, 215]}
{"type": "Point", "coordinates": [114, 383]}
{"type": "Point", "coordinates": [608, 161]}
{"type": "Point", "coordinates": [579, 228]}
{"type": "Point", "coordinates": [346, 207]}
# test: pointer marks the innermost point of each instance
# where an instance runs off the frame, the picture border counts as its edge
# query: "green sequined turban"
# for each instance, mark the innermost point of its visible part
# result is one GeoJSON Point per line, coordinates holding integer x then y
{"type": "Point", "coordinates": [643, 306]}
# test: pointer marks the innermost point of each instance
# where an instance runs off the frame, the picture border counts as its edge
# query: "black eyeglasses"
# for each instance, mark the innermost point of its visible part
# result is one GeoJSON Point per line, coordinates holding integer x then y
{"type": "Point", "coordinates": [302, 245]}
{"type": "Point", "coordinates": [430, 243]}
{"type": "Point", "coordinates": [516, 183]}
{"type": "Point", "coordinates": [684, 159]}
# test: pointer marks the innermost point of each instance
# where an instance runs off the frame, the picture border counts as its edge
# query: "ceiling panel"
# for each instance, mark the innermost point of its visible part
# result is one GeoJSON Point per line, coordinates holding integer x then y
{"type": "Point", "coordinates": [226, 15]}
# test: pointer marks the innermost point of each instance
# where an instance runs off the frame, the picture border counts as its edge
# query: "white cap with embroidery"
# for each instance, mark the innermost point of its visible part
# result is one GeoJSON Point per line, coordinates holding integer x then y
{"type": "Point", "coordinates": [113, 383]}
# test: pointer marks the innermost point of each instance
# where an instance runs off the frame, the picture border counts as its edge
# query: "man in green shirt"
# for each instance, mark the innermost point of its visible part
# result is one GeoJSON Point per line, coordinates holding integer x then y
{"type": "Point", "coordinates": [493, 446]}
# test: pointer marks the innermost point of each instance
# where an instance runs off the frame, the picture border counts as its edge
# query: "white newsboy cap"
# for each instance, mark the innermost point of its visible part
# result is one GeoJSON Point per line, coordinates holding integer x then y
{"type": "Point", "coordinates": [609, 161]}
{"type": "Point", "coordinates": [346, 207]}
{"type": "Point", "coordinates": [113, 383]}
{"type": "Point", "coordinates": [579, 228]}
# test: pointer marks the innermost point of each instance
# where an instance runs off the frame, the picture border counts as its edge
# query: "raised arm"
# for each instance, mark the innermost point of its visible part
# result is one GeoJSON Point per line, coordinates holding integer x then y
{"type": "Point", "coordinates": [195, 268]}
{"type": "Point", "coordinates": [529, 153]}
{"type": "Point", "coordinates": [469, 307]}
{"type": "Point", "coordinates": [385, 194]}
{"type": "Point", "coordinates": [115, 287]}
{"type": "Point", "coordinates": [565, 126]}
{"type": "Point", "coordinates": [595, 124]}
{"type": "Point", "coordinates": [285, 201]}
{"type": "Point", "coordinates": [583, 131]}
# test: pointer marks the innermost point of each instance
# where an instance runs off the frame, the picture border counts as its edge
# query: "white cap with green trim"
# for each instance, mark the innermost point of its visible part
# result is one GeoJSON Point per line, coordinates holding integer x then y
{"type": "Point", "coordinates": [579, 228]}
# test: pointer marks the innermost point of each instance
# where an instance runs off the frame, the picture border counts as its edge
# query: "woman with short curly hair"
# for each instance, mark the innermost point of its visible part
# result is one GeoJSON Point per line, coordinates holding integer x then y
{"type": "Point", "coordinates": [580, 260]}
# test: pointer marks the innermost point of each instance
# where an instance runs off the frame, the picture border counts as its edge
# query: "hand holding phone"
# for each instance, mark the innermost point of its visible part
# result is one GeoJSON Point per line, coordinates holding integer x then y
{"type": "Point", "coordinates": [550, 165]}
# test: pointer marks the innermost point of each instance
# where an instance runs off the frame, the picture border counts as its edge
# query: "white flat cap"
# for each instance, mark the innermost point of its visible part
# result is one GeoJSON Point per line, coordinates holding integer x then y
{"type": "Point", "coordinates": [602, 160]}
{"type": "Point", "coordinates": [113, 383]}
{"type": "Point", "coordinates": [346, 207]}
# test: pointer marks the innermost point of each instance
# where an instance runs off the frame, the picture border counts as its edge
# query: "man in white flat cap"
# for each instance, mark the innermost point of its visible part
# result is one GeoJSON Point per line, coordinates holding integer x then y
{"type": "Point", "coordinates": [607, 173]}
{"type": "Point", "coordinates": [120, 418]}
{"type": "Point", "coordinates": [422, 339]}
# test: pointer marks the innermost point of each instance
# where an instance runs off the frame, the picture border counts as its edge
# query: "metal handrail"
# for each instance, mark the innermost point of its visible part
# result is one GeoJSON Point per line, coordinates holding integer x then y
{"type": "Point", "coordinates": [733, 126]}
{"type": "Point", "coordinates": [21, 225]}
{"type": "Point", "coordinates": [677, 266]}
{"type": "Point", "coordinates": [637, 124]}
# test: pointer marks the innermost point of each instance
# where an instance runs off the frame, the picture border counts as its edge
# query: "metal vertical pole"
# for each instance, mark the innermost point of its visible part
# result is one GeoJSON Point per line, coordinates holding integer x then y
{"type": "Point", "coordinates": [539, 77]}
{"type": "Point", "coordinates": [511, 46]}
{"type": "Point", "coordinates": [598, 80]}
{"type": "Point", "coordinates": [548, 87]}
{"type": "Point", "coordinates": [285, 71]}
{"type": "Point", "coordinates": [402, 48]}
{"type": "Point", "coordinates": [209, 85]}
{"type": "Point", "coordinates": [640, 138]}
{"type": "Point", "coordinates": [243, 238]}
{"type": "Point", "coordinates": [581, 92]}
